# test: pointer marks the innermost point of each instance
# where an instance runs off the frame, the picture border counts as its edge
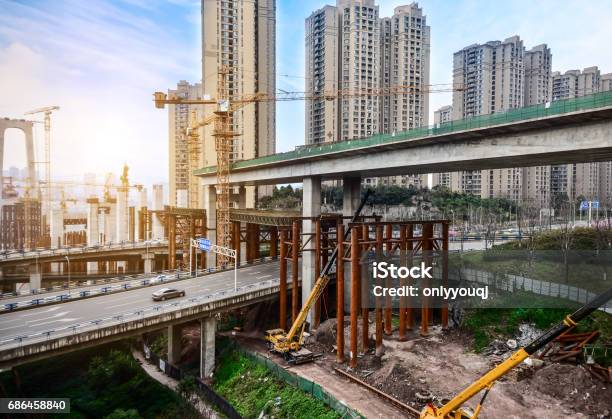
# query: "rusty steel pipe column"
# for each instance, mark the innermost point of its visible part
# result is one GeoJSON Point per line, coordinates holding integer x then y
{"type": "Point", "coordinates": [409, 249]}
{"type": "Point", "coordinates": [355, 251]}
{"type": "Point", "coordinates": [273, 242]}
{"type": "Point", "coordinates": [295, 248]}
{"type": "Point", "coordinates": [324, 260]}
{"type": "Point", "coordinates": [379, 311]}
{"type": "Point", "coordinates": [388, 300]}
{"type": "Point", "coordinates": [340, 294]}
{"type": "Point", "coordinates": [402, 302]}
{"type": "Point", "coordinates": [365, 311]}
{"type": "Point", "coordinates": [317, 249]}
{"type": "Point", "coordinates": [257, 241]}
{"type": "Point", "coordinates": [427, 247]}
{"type": "Point", "coordinates": [283, 280]}
{"type": "Point", "coordinates": [444, 311]}
{"type": "Point", "coordinates": [236, 239]}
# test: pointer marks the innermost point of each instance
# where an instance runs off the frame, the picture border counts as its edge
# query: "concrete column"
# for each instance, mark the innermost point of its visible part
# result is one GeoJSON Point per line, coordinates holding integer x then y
{"type": "Point", "coordinates": [351, 196]}
{"type": "Point", "coordinates": [174, 344]}
{"type": "Point", "coordinates": [311, 207]}
{"type": "Point", "coordinates": [158, 205]}
{"type": "Point", "coordinates": [93, 223]}
{"type": "Point", "coordinates": [35, 277]}
{"type": "Point", "coordinates": [56, 228]}
{"type": "Point", "coordinates": [210, 205]}
{"type": "Point", "coordinates": [122, 215]}
{"type": "Point", "coordinates": [27, 130]}
{"type": "Point", "coordinates": [208, 328]}
{"type": "Point", "coordinates": [242, 197]}
{"type": "Point", "coordinates": [149, 262]}
{"type": "Point", "coordinates": [110, 224]}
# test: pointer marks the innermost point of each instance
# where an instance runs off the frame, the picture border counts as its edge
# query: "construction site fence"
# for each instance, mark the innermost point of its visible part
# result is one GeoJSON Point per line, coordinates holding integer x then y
{"type": "Point", "coordinates": [206, 391]}
{"type": "Point", "coordinates": [560, 107]}
{"type": "Point", "coordinates": [310, 387]}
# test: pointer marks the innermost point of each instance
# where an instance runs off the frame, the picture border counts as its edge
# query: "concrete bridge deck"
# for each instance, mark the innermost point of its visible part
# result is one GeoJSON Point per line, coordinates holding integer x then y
{"type": "Point", "coordinates": [38, 333]}
{"type": "Point", "coordinates": [81, 253]}
{"type": "Point", "coordinates": [574, 130]}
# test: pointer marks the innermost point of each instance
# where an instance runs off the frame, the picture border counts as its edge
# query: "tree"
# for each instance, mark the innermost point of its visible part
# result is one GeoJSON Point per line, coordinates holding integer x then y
{"type": "Point", "coordinates": [124, 414]}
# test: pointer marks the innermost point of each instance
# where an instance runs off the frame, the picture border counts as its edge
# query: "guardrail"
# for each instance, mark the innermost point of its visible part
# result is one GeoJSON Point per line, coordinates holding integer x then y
{"type": "Point", "coordinates": [556, 108]}
{"type": "Point", "coordinates": [89, 283]}
{"type": "Point", "coordinates": [124, 317]}
{"type": "Point", "coordinates": [176, 275]}
{"type": "Point", "coordinates": [73, 250]}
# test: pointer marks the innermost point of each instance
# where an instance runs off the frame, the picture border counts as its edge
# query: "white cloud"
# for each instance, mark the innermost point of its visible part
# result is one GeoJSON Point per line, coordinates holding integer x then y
{"type": "Point", "coordinates": [101, 65]}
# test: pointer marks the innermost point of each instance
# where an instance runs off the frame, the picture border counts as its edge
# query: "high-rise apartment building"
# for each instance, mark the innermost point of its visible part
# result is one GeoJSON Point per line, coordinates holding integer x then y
{"type": "Point", "coordinates": [241, 35]}
{"type": "Point", "coordinates": [492, 76]}
{"type": "Point", "coordinates": [178, 123]}
{"type": "Point", "coordinates": [443, 114]}
{"type": "Point", "coordinates": [322, 74]}
{"type": "Point", "coordinates": [589, 180]}
{"type": "Point", "coordinates": [349, 48]}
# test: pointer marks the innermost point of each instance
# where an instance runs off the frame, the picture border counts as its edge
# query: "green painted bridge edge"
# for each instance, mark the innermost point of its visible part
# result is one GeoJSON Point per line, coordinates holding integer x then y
{"type": "Point", "coordinates": [594, 101]}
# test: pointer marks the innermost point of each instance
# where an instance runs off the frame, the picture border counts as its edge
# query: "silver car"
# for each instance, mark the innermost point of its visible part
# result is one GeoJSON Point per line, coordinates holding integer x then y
{"type": "Point", "coordinates": [167, 293]}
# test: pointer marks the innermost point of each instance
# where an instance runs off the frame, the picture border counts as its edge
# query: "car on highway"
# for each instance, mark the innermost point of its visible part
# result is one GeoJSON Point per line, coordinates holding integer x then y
{"type": "Point", "coordinates": [167, 293]}
{"type": "Point", "coordinates": [159, 279]}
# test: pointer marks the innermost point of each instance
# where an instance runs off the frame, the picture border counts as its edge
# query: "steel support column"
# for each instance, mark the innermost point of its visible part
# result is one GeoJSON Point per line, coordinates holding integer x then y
{"type": "Point", "coordinates": [340, 294]}
{"type": "Point", "coordinates": [283, 280]}
{"type": "Point", "coordinates": [355, 251]}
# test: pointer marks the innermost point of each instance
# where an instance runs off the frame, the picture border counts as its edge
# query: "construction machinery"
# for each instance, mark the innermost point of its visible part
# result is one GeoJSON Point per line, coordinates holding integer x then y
{"type": "Point", "coordinates": [289, 345]}
{"type": "Point", "coordinates": [47, 111]}
{"type": "Point", "coordinates": [224, 133]}
{"type": "Point", "coordinates": [454, 409]}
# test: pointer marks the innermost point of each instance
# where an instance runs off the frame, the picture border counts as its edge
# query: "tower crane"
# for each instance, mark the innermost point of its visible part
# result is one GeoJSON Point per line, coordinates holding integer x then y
{"type": "Point", "coordinates": [224, 134]}
{"type": "Point", "coordinates": [47, 111]}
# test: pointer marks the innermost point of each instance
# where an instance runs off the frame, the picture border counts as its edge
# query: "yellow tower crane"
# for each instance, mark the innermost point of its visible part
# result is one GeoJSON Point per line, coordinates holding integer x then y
{"type": "Point", "coordinates": [47, 111]}
{"type": "Point", "coordinates": [224, 133]}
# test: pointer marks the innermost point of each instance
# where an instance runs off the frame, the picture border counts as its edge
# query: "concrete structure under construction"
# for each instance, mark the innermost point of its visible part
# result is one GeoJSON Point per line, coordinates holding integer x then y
{"type": "Point", "coordinates": [241, 35]}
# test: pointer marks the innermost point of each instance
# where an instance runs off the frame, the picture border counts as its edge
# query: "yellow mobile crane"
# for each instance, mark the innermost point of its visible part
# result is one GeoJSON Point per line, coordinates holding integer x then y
{"type": "Point", "coordinates": [289, 345]}
{"type": "Point", "coordinates": [454, 409]}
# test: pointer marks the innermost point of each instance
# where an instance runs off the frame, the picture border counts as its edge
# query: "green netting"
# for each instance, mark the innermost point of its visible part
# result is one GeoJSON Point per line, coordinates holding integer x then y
{"type": "Point", "coordinates": [597, 100]}
{"type": "Point", "coordinates": [303, 384]}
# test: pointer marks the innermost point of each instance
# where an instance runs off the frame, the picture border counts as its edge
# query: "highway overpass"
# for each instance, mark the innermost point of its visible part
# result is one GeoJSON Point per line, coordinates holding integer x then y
{"type": "Point", "coordinates": [38, 333]}
{"type": "Point", "coordinates": [573, 130]}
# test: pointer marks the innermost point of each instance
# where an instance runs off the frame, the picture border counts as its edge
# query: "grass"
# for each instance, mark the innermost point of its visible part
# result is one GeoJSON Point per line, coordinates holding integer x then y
{"type": "Point", "coordinates": [101, 382]}
{"type": "Point", "coordinates": [251, 388]}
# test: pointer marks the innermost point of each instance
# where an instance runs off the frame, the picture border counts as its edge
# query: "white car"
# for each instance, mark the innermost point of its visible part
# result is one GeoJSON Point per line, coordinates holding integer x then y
{"type": "Point", "coordinates": [167, 293]}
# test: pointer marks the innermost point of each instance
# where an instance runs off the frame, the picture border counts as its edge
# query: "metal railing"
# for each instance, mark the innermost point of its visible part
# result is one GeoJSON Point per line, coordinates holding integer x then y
{"type": "Point", "coordinates": [128, 316]}
{"type": "Point", "coordinates": [76, 250]}
{"type": "Point", "coordinates": [594, 101]}
{"type": "Point", "coordinates": [168, 276]}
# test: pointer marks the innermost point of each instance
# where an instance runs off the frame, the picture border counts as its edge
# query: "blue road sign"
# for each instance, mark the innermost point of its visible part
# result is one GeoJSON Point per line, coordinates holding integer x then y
{"type": "Point", "coordinates": [204, 244]}
{"type": "Point", "coordinates": [595, 204]}
{"type": "Point", "coordinates": [584, 205]}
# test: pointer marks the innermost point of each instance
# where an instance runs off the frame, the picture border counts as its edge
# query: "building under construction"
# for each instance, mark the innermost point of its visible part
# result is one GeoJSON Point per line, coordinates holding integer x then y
{"type": "Point", "coordinates": [20, 225]}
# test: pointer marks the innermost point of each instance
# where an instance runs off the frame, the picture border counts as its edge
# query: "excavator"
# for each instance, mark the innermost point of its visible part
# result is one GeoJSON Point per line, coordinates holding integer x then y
{"type": "Point", "coordinates": [289, 345]}
{"type": "Point", "coordinates": [454, 409]}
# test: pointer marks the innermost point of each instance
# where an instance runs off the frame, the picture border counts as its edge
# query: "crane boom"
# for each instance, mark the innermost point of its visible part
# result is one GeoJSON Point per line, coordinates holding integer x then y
{"type": "Point", "coordinates": [290, 344]}
{"type": "Point", "coordinates": [452, 409]}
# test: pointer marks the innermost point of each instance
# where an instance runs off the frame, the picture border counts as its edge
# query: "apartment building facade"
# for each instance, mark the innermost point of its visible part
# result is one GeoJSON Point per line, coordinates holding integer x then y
{"type": "Point", "coordinates": [349, 48]}
{"type": "Point", "coordinates": [241, 35]}
{"type": "Point", "coordinates": [178, 123]}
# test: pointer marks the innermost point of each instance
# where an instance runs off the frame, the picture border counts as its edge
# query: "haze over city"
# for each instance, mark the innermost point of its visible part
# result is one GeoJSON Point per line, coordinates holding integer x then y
{"type": "Point", "coordinates": [102, 63]}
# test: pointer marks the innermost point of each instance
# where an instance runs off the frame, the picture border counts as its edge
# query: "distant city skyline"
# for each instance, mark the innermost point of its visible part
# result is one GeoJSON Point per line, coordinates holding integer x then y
{"type": "Point", "coordinates": [101, 64]}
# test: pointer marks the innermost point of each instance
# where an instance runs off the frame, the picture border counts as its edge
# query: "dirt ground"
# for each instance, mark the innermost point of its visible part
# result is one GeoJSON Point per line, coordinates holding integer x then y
{"type": "Point", "coordinates": [436, 368]}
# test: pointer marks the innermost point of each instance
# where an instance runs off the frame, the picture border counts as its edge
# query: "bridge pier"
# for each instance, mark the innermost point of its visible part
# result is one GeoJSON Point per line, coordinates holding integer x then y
{"type": "Point", "coordinates": [311, 207]}
{"type": "Point", "coordinates": [351, 196]}
{"type": "Point", "coordinates": [35, 277]}
{"type": "Point", "coordinates": [210, 205]}
{"type": "Point", "coordinates": [208, 328]}
{"type": "Point", "coordinates": [174, 343]}
{"type": "Point", "coordinates": [149, 262]}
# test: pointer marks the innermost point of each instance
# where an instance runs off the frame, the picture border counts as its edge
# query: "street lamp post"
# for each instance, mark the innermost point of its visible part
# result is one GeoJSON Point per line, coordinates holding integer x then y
{"type": "Point", "coordinates": [68, 260]}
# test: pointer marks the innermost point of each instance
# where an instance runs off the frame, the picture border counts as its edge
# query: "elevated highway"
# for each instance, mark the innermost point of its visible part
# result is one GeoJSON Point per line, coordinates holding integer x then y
{"type": "Point", "coordinates": [574, 130]}
{"type": "Point", "coordinates": [46, 331]}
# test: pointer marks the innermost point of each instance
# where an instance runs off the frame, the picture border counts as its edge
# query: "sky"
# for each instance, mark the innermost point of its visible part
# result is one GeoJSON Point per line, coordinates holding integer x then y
{"type": "Point", "coordinates": [101, 61]}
